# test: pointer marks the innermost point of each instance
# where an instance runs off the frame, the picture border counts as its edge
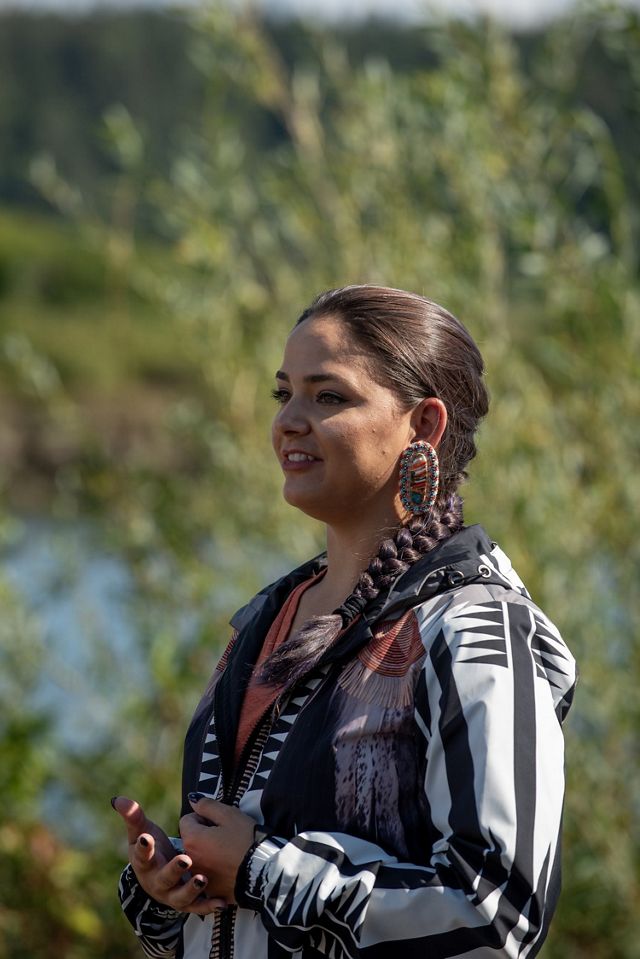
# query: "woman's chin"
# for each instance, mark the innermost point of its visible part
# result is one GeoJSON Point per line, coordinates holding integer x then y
{"type": "Point", "coordinates": [308, 501]}
{"type": "Point", "coordinates": [297, 496]}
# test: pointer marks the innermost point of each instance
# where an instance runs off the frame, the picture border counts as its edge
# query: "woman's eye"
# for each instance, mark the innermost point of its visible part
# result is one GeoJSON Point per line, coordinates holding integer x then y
{"type": "Point", "coordinates": [325, 397]}
{"type": "Point", "coordinates": [281, 396]}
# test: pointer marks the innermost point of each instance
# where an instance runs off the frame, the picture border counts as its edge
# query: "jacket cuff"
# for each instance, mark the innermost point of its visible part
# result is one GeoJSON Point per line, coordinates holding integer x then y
{"type": "Point", "coordinates": [136, 902]}
{"type": "Point", "coordinates": [249, 880]}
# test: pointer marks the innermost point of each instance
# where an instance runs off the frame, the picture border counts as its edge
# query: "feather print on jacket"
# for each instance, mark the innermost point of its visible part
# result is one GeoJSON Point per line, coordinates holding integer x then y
{"type": "Point", "coordinates": [409, 789]}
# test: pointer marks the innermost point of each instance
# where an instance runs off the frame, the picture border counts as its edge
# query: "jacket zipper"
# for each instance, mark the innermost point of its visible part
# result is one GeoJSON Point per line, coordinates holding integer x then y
{"type": "Point", "coordinates": [222, 940]}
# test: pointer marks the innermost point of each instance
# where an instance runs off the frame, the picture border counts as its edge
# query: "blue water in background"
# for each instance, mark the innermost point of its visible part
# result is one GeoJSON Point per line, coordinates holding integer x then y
{"type": "Point", "coordinates": [77, 593]}
{"type": "Point", "coordinates": [91, 625]}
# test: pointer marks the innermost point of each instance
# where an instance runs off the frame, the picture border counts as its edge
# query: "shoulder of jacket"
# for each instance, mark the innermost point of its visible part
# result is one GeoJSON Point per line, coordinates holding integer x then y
{"type": "Point", "coordinates": [472, 602]}
{"type": "Point", "coordinates": [489, 626]}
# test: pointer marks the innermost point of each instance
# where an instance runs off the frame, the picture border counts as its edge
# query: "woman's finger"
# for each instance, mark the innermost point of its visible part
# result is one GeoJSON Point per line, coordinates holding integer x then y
{"type": "Point", "coordinates": [221, 814]}
{"type": "Point", "coordinates": [173, 874]}
{"type": "Point", "coordinates": [133, 815]}
{"type": "Point", "coordinates": [185, 896]}
{"type": "Point", "coordinates": [204, 906]}
{"type": "Point", "coordinates": [142, 853]}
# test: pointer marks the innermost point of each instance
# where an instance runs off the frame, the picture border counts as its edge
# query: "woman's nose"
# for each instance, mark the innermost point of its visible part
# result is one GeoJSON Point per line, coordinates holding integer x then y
{"type": "Point", "coordinates": [291, 419]}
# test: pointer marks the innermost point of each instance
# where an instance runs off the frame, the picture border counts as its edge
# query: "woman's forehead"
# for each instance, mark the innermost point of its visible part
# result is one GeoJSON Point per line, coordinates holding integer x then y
{"type": "Point", "coordinates": [324, 338]}
{"type": "Point", "coordinates": [325, 344]}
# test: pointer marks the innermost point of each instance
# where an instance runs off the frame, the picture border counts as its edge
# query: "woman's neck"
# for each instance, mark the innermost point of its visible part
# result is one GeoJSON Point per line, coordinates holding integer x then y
{"type": "Point", "coordinates": [349, 552]}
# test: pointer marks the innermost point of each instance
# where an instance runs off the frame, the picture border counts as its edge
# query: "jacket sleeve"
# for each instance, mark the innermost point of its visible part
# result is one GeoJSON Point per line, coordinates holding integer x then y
{"type": "Point", "coordinates": [158, 927]}
{"type": "Point", "coordinates": [495, 682]}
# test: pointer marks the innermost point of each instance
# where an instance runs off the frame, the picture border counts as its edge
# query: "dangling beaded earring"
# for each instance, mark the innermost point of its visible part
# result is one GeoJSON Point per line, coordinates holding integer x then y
{"type": "Point", "coordinates": [419, 477]}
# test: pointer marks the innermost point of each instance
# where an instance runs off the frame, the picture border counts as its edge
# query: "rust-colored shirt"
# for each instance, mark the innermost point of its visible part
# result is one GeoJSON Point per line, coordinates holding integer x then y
{"type": "Point", "coordinates": [259, 696]}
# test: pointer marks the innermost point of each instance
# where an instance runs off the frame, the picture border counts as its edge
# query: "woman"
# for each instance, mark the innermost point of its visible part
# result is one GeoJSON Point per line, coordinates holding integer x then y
{"type": "Point", "coordinates": [376, 768]}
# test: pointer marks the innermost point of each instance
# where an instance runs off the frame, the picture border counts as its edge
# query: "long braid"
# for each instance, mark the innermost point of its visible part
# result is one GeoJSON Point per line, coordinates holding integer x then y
{"type": "Point", "coordinates": [395, 555]}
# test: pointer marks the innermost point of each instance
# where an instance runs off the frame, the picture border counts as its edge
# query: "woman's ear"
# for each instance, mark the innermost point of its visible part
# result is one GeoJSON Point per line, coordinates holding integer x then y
{"type": "Point", "coordinates": [429, 421]}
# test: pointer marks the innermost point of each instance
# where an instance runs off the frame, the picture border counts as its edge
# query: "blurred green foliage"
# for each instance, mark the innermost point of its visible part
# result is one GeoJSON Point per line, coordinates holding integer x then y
{"type": "Point", "coordinates": [480, 178]}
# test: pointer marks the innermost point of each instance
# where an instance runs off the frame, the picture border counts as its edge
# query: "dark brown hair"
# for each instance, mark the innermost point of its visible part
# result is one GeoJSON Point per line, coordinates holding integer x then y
{"type": "Point", "coordinates": [418, 349]}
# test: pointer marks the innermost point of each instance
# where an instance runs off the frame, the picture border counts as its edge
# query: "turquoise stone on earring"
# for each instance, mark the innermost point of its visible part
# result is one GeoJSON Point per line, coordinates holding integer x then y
{"type": "Point", "coordinates": [419, 477]}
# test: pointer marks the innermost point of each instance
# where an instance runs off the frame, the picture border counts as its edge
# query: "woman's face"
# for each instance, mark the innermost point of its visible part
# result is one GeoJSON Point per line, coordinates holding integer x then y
{"type": "Point", "coordinates": [338, 432]}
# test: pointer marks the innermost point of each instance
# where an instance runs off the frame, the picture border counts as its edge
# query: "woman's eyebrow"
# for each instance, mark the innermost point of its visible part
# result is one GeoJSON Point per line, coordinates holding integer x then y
{"type": "Point", "coordinates": [311, 378]}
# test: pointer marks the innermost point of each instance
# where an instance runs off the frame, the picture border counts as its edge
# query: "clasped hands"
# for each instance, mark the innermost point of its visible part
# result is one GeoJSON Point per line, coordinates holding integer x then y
{"type": "Point", "coordinates": [216, 838]}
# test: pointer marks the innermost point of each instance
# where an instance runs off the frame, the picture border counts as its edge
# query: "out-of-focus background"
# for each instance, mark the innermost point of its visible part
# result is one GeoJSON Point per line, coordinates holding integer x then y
{"type": "Point", "coordinates": [175, 186]}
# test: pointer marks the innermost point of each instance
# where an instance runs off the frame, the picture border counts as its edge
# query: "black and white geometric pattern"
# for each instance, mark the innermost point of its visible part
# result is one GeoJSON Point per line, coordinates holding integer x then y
{"type": "Point", "coordinates": [471, 773]}
{"type": "Point", "coordinates": [291, 709]}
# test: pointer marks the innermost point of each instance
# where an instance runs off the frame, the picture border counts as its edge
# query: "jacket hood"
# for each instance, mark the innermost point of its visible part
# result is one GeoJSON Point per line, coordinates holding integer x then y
{"type": "Point", "coordinates": [469, 556]}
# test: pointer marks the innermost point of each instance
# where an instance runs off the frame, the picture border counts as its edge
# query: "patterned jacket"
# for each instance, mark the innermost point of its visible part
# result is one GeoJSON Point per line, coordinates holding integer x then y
{"type": "Point", "coordinates": [410, 787]}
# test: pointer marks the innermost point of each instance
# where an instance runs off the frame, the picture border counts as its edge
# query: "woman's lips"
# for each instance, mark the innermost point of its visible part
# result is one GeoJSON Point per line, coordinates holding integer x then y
{"type": "Point", "coordinates": [296, 465]}
{"type": "Point", "coordinates": [292, 466]}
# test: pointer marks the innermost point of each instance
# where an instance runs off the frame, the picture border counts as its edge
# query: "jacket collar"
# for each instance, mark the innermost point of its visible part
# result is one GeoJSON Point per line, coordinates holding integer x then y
{"type": "Point", "coordinates": [463, 558]}
{"type": "Point", "coordinates": [282, 586]}
{"type": "Point", "coordinates": [469, 556]}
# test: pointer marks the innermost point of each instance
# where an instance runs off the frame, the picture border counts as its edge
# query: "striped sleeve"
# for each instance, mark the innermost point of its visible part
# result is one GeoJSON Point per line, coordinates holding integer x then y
{"type": "Point", "coordinates": [158, 927]}
{"type": "Point", "coordinates": [495, 681]}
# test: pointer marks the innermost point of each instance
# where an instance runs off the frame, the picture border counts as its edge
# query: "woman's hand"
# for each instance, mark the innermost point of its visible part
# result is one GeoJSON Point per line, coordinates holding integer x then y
{"type": "Point", "coordinates": [161, 873]}
{"type": "Point", "coordinates": [217, 837]}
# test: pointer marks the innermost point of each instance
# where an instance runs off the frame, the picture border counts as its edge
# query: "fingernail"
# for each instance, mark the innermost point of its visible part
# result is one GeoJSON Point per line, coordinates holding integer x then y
{"type": "Point", "coordinates": [143, 841]}
{"type": "Point", "coordinates": [183, 864]}
{"type": "Point", "coordinates": [195, 797]}
{"type": "Point", "coordinates": [200, 883]}
{"type": "Point", "coordinates": [113, 802]}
